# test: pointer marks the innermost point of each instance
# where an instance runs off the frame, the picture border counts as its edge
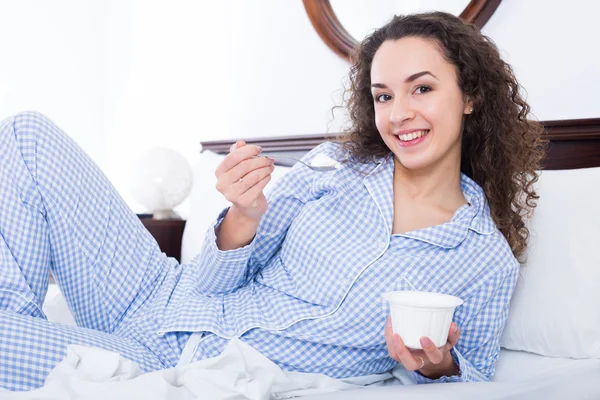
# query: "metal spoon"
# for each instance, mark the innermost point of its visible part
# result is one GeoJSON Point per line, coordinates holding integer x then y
{"type": "Point", "coordinates": [314, 168]}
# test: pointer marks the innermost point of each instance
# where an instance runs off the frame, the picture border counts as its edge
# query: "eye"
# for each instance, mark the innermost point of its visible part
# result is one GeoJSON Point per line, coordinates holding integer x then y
{"type": "Point", "coordinates": [381, 98]}
{"type": "Point", "coordinates": [422, 89]}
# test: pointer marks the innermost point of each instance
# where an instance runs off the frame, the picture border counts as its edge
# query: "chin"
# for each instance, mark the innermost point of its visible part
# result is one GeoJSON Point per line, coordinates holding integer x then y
{"type": "Point", "coordinates": [413, 163]}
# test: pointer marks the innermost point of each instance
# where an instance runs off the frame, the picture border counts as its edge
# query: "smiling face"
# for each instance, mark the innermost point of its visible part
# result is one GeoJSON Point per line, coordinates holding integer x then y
{"type": "Point", "coordinates": [419, 106]}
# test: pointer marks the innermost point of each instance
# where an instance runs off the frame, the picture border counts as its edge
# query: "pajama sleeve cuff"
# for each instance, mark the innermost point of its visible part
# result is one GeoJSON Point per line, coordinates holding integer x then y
{"type": "Point", "coordinates": [222, 270]}
{"type": "Point", "coordinates": [241, 254]}
{"type": "Point", "coordinates": [467, 372]}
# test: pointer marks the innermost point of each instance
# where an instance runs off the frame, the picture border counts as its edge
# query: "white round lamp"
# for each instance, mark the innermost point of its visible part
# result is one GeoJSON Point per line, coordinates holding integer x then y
{"type": "Point", "coordinates": [162, 179]}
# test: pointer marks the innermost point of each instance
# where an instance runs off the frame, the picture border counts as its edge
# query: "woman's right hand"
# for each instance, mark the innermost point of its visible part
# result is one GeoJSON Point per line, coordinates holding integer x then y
{"type": "Point", "coordinates": [241, 178]}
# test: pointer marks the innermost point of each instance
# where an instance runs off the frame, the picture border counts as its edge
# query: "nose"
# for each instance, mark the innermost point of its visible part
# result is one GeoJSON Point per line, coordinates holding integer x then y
{"type": "Point", "coordinates": [401, 111]}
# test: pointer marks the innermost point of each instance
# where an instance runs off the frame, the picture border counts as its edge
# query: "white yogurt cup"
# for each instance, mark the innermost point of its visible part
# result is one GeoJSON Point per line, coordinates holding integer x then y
{"type": "Point", "coordinates": [417, 314]}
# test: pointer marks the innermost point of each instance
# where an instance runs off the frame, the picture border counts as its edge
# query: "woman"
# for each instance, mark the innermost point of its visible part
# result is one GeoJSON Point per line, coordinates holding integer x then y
{"type": "Point", "coordinates": [440, 130]}
{"type": "Point", "coordinates": [458, 89]}
{"type": "Point", "coordinates": [299, 277]}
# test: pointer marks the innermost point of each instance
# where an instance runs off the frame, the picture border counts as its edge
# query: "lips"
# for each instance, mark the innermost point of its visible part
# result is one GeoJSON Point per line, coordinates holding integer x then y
{"type": "Point", "coordinates": [412, 139]}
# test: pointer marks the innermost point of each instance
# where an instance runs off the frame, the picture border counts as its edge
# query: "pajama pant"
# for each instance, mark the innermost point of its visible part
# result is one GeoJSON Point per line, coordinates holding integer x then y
{"type": "Point", "coordinates": [59, 213]}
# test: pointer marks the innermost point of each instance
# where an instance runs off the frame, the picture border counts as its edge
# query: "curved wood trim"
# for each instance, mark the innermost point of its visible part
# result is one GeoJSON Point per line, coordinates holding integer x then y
{"type": "Point", "coordinates": [329, 27]}
{"type": "Point", "coordinates": [574, 143]}
{"type": "Point", "coordinates": [338, 39]}
{"type": "Point", "coordinates": [479, 12]}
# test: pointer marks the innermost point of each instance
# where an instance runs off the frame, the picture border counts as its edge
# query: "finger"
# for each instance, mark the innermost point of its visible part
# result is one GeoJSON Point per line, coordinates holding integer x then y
{"type": "Point", "coordinates": [238, 144]}
{"type": "Point", "coordinates": [248, 181]}
{"type": "Point", "coordinates": [409, 361]}
{"type": "Point", "coordinates": [250, 197]}
{"type": "Point", "coordinates": [434, 354]}
{"type": "Point", "coordinates": [237, 156]}
{"type": "Point", "coordinates": [226, 180]}
{"type": "Point", "coordinates": [248, 169]}
{"type": "Point", "coordinates": [453, 335]}
{"type": "Point", "coordinates": [388, 339]}
{"type": "Point", "coordinates": [233, 188]}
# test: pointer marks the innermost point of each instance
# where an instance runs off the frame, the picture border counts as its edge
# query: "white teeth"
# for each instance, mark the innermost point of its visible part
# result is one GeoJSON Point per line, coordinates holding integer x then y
{"type": "Point", "coordinates": [412, 136]}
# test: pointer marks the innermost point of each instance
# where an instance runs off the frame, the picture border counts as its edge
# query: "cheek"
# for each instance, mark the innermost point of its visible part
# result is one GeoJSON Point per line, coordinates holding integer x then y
{"type": "Point", "coordinates": [445, 112]}
{"type": "Point", "coordinates": [381, 121]}
{"type": "Point", "coordinates": [436, 109]}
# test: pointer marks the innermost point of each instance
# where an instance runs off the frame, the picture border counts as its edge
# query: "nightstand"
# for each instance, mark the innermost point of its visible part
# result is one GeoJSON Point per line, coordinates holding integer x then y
{"type": "Point", "coordinates": [167, 232]}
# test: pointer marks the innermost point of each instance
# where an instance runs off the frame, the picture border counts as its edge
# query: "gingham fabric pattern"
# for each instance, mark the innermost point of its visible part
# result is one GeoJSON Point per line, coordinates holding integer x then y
{"type": "Point", "coordinates": [306, 292]}
{"type": "Point", "coordinates": [58, 212]}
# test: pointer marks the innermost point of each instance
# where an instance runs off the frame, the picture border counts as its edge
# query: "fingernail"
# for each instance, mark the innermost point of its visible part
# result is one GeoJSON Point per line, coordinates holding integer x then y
{"type": "Point", "coordinates": [455, 328]}
{"type": "Point", "coordinates": [259, 148]}
{"type": "Point", "coordinates": [271, 159]}
{"type": "Point", "coordinates": [395, 340]}
{"type": "Point", "coordinates": [388, 322]}
{"type": "Point", "coordinates": [425, 342]}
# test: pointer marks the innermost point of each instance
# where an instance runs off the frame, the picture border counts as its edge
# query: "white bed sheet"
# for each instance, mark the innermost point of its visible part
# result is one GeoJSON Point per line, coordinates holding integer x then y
{"type": "Point", "coordinates": [519, 375]}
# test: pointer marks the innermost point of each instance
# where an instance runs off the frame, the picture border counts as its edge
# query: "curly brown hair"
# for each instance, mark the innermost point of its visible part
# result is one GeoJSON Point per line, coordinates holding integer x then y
{"type": "Point", "coordinates": [501, 148]}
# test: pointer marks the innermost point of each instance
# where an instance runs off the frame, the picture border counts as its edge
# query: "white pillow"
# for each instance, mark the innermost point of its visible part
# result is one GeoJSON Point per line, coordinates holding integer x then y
{"type": "Point", "coordinates": [555, 310]}
{"type": "Point", "coordinates": [207, 202]}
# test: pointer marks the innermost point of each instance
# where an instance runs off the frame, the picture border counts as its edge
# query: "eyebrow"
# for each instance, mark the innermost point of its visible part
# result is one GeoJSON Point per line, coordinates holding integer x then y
{"type": "Point", "coordinates": [411, 78]}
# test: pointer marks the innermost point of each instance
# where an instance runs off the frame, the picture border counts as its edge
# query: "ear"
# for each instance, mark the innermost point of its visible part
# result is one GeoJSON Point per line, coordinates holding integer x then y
{"type": "Point", "coordinates": [468, 108]}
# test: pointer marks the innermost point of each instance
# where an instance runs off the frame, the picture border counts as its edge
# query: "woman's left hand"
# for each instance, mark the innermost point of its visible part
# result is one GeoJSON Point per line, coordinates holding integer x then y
{"type": "Point", "coordinates": [429, 361]}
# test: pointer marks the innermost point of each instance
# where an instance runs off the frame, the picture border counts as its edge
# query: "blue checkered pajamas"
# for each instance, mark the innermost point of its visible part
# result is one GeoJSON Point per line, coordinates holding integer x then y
{"type": "Point", "coordinates": [306, 292]}
{"type": "Point", "coordinates": [58, 212]}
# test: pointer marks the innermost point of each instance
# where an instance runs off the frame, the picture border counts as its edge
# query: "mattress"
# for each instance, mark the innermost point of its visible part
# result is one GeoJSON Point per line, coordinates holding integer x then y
{"type": "Point", "coordinates": [519, 375]}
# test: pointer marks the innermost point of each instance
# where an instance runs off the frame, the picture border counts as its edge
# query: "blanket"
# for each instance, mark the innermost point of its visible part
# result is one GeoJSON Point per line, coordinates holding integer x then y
{"type": "Point", "coordinates": [240, 372]}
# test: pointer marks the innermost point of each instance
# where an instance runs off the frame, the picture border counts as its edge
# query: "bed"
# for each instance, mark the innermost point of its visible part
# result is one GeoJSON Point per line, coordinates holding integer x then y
{"type": "Point", "coordinates": [551, 344]}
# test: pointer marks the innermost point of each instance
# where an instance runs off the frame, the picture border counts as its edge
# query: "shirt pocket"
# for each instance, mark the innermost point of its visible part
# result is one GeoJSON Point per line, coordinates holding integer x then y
{"type": "Point", "coordinates": [437, 272]}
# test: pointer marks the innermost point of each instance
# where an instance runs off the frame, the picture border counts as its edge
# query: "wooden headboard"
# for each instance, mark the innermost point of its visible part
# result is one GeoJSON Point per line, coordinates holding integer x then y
{"type": "Point", "coordinates": [574, 143]}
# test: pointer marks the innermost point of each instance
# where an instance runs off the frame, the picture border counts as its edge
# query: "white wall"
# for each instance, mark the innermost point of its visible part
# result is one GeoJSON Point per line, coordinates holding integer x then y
{"type": "Point", "coordinates": [122, 76]}
{"type": "Point", "coordinates": [554, 50]}
{"type": "Point", "coordinates": [168, 71]}
{"type": "Point", "coordinates": [51, 61]}
{"type": "Point", "coordinates": [287, 79]}
{"type": "Point", "coordinates": [197, 71]}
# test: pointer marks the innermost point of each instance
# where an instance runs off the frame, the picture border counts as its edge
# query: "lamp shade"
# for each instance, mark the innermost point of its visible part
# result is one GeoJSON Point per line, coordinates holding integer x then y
{"type": "Point", "coordinates": [161, 180]}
